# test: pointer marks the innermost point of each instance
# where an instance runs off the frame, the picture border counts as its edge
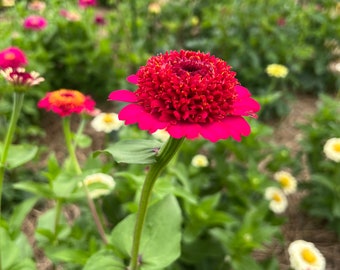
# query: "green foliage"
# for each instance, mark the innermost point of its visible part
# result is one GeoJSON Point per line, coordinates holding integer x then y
{"type": "Point", "coordinates": [323, 195]}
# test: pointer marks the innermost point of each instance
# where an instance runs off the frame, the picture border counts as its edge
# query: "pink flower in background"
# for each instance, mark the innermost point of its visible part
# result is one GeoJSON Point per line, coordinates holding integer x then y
{"type": "Point", "coordinates": [70, 15]}
{"type": "Point", "coordinates": [190, 94]}
{"type": "Point", "coordinates": [66, 102]}
{"type": "Point", "coordinates": [37, 5]}
{"type": "Point", "coordinates": [281, 21]}
{"type": "Point", "coordinates": [35, 22]}
{"type": "Point", "coordinates": [87, 3]}
{"type": "Point", "coordinates": [21, 79]}
{"type": "Point", "coordinates": [99, 19]}
{"type": "Point", "coordinates": [12, 57]}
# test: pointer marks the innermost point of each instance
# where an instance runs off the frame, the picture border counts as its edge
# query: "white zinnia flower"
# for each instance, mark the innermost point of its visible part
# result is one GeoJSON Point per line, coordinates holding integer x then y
{"type": "Point", "coordinates": [332, 149]}
{"type": "Point", "coordinates": [305, 256]}
{"type": "Point", "coordinates": [99, 184]}
{"type": "Point", "coordinates": [277, 199]}
{"type": "Point", "coordinates": [287, 181]}
{"type": "Point", "coordinates": [199, 161]}
{"type": "Point", "coordinates": [161, 134]}
{"type": "Point", "coordinates": [106, 122]}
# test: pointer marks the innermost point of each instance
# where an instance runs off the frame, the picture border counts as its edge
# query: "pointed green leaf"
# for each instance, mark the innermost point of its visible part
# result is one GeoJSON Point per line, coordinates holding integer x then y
{"type": "Point", "coordinates": [104, 259]}
{"type": "Point", "coordinates": [40, 189]}
{"type": "Point", "coordinates": [19, 154]}
{"type": "Point", "coordinates": [161, 237]}
{"type": "Point", "coordinates": [133, 151]}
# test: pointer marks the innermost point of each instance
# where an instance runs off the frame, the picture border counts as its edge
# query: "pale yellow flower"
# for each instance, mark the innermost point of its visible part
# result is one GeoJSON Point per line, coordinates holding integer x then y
{"type": "Point", "coordinates": [200, 161]}
{"type": "Point", "coordinates": [161, 134]}
{"type": "Point", "coordinates": [154, 8]}
{"type": "Point", "coordinates": [106, 122]}
{"type": "Point", "coordinates": [305, 256]}
{"type": "Point", "coordinates": [277, 199]}
{"type": "Point", "coordinates": [99, 184]}
{"type": "Point", "coordinates": [277, 70]}
{"type": "Point", "coordinates": [332, 149]}
{"type": "Point", "coordinates": [287, 181]}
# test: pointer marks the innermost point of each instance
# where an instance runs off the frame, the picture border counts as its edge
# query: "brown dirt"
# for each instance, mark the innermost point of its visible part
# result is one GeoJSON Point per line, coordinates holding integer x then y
{"type": "Point", "coordinates": [298, 225]}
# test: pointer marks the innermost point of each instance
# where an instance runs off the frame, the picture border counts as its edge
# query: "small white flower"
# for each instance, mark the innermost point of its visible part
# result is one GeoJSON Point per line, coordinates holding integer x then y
{"type": "Point", "coordinates": [200, 161]}
{"type": "Point", "coordinates": [287, 181]}
{"type": "Point", "coordinates": [305, 256]}
{"type": "Point", "coordinates": [99, 184]}
{"type": "Point", "coordinates": [277, 199]}
{"type": "Point", "coordinates": [332, 149]}
{"type": "Point", "coordinates": [106, 122]}
{"type": "Point", "coordinates": [161, 134]}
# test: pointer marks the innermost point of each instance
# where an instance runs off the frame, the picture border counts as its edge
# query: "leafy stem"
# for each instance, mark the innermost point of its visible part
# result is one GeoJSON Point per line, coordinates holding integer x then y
{"type": "Point", "coordinates": [164, 157]}
{"type": "Point", "coordinates": [18, 99]}
{"type": "Point", "coordinates": [72, 153]}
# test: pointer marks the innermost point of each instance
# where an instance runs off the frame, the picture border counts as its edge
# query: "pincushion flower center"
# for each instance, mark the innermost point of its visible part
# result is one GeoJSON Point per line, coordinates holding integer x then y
{"type": "Point", "coordinates": [9, 56]}
{"type": "Point", "coordinates": [23, 76]}
{"type": "Point", "coordinates": [67, 96]}
{"type": "Point", "coordinates": [187, 87]}
{"type": "Point", "coordinates": [336, 147]}
{"type": "Point", "coordinates": [285, 181]}
{"type": "Point", "coordinates": [108, 119]}
{"type": "Point", "coordinates": [276, 197]}
{"type": "Point", "coordinates": [308, 255]}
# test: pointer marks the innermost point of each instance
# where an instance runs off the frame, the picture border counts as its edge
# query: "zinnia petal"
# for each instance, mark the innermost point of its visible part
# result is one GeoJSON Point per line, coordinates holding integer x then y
{"type": "Point", "coordinates": [130, 114]}
{"type": "Point", "coordinates": [190, 131]}
{"type": "Point", "coordinates": [132, 79]}
{"type": "Point", "coordinates": [244, 105]}
{"type": "Point", "coordinates": [123, 95]}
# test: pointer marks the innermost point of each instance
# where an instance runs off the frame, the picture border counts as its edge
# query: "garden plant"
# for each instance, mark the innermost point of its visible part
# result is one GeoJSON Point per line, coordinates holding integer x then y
{"type": "Point", "coordinates": [184, 98]}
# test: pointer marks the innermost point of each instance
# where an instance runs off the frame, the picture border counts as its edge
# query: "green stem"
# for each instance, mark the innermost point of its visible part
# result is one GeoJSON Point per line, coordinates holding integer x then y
{"type": "Point", "coordinates": [59, 205]}
{"type": "Point", "coordinates": [164, 157]}
{"type": "Point", "coordinates": [18, 99]}
{"type": "Point", "coordinates": [74, 160]}
{"type": "Point", "coordinates": [79, 131]}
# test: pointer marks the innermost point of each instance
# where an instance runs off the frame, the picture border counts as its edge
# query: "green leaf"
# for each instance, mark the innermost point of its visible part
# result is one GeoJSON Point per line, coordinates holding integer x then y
{"type": "Point", "coordinates": [19, 214]}
{"type": "Point", "coordinates": [104, 259]}
{"type": "Point", "coordinates": [83, 140]}
{"type": "Point", "coordinates": [40, 189]}
{"type": "Point", "coordinates": [19, 154]}
{"type": "Point", "coordinates": [160, 243]}
{"type": "Point", "coordinates": [67, 255]}
{"type": "Point", "coordinates": [133, 151]}
{"type": "Point", "coordinates": [13, 252]}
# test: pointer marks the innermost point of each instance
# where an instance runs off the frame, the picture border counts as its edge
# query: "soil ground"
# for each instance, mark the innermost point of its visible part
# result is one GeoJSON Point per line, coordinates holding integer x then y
{"type": "Point", "coordinates": [298, 225]}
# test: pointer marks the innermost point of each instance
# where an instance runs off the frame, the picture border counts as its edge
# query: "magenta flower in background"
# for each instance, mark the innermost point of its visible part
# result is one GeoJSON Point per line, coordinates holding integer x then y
{"type": "Point", "coordinates": [35, 22]}
{"type": "Point", "coordinates": [66, 102]}
{"type": "Point", "coordinates": [189, 94]}
{"type": "Point", "coordinates": [99, 19]}
{"type": "Point", "coordinates": [87, 3]}
{"type": "Point", "coordinates": [12, 57]}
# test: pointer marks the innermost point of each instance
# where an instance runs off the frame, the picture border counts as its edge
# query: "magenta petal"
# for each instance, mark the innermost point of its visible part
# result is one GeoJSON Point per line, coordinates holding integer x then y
{"type": "Point", "coordinates": [132, 79]}
{"type": "Point", "coordinates": [175, 131]}
{"type": "Point", "coordinates": [237, 127]}
{"type": "Point", "coordinates": [245, 105]}
{"type": "Point", "coordinates": [123, 95]}
{"type": "Point", "coordinates": [242, 92]}
{"type": "Point", "coordinates": [130, 113]}
{"type": "Point", "coordinates": [149, 122]}
{"type": "Point", "coordinates": [215, 131]}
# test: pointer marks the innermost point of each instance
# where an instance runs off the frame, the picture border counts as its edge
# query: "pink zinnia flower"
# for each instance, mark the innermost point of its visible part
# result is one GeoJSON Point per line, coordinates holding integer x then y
{"type": "Point", "coordinates": [190, 94]}
{"type": "Point", "coordinates": [20, 78]}
{"type": "Point", "coordinates": [87, 3]}
{"type": "Point", "coordinates": [12, 57]}
{"type": "Point", "coordinates": [35, 22]}
{"type": "Point", "coordinates": [66, 102]}
{"type": "Point", "coordinates": [70, 15]}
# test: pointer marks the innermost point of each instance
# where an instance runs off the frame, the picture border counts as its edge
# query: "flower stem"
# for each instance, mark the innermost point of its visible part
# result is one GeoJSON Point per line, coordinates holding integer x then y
{"type": "Point", "coordinates": [18, 99]}
{"type": "Point", "coordinates": [164, 157]}
{"type": "Point", "coordinates": [74, 160]}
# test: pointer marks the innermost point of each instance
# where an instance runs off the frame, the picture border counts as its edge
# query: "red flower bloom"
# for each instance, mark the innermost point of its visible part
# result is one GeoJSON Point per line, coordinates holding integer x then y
{"type": "Point", "coordinates": [65, 102]}
{"type": "Point", "coordinates": [87, 3]}
{"type": "Point", "coordinates": [190, 94]}
{"type": "Point", "coordinates": [12, 57]}
{"type": "Point", "coordinates": [20, 78]}
{"type": "Point", "coordinates": [35, 22]}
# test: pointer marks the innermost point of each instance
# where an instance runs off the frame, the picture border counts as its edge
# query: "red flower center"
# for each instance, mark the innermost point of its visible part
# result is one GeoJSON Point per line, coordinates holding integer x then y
{"type": "Point", "coordinates": [187, 87]}
{"type": "Point", "coordinates": [22, 77]}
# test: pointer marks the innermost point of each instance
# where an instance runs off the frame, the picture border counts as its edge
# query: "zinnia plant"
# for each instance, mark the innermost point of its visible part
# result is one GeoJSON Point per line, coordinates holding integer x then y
{"type": "Point", "coordinates": [12, 57]}
{"type": "Point", "coordinates": [190, 95]}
